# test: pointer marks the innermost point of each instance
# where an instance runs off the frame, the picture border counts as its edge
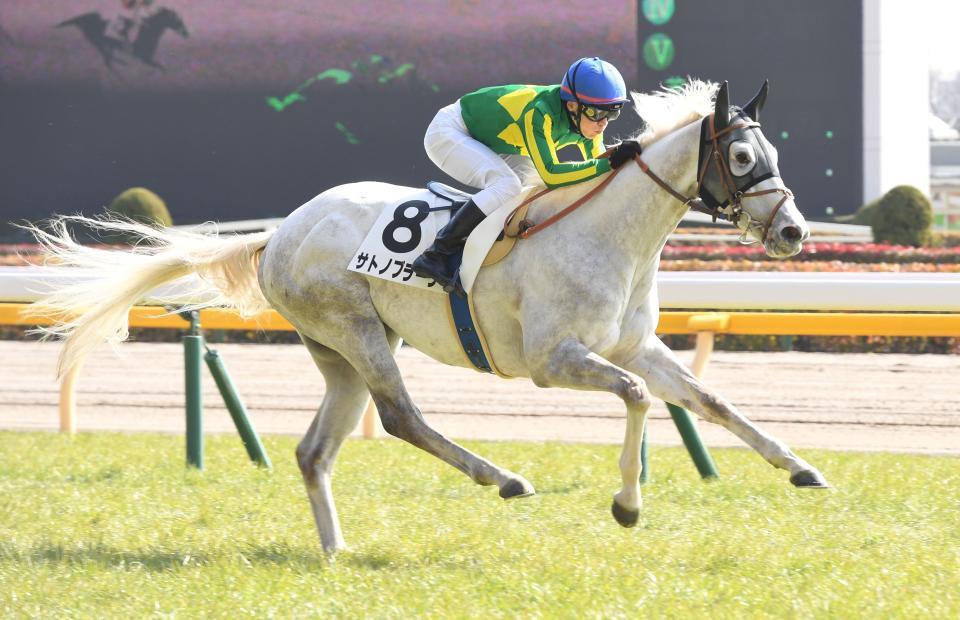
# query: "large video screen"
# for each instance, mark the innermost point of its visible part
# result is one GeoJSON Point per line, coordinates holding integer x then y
{"type": "Point", "coordinates": [811, 52]}
{"type": "Point", "coordinates": [245, 109]}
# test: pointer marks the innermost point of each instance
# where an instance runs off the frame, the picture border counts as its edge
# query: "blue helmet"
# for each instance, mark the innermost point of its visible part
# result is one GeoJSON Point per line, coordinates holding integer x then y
{"type": "Point", "coordinates": [593, 82]}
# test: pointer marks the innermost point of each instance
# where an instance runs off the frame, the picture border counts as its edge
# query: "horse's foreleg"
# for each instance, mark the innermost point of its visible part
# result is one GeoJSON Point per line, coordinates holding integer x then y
{"type": "Point", "coordinates": [670, 380]}
{"type": "Point", "coordinates": [573, 365]}
{"type": "Point", "coordinates": [343, 403]}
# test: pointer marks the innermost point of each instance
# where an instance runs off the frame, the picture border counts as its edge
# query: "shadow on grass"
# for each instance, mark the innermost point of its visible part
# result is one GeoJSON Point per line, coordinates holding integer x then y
{"type": "Point", "coordinates": [561, 488]}
{"type": "Point", "coordinates": [373, 561]}
{"type": "Point", "coordinates": [402, 560]}
{"type": "Point", "coordinates": [285, 555]}
{"type": "Point", "coordinates": [158, 560]}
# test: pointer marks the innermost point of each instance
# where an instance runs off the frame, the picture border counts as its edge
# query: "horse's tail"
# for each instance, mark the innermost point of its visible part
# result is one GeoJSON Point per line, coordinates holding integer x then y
{"type": "Point", "coordinates": [93, 17]}
{"type": "Point", "coordinates": [109, 282]}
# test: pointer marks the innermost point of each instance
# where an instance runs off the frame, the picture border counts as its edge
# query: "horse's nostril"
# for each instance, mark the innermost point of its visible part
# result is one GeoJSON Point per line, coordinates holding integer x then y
{"type": "Point", "coordinates": [791, 234]}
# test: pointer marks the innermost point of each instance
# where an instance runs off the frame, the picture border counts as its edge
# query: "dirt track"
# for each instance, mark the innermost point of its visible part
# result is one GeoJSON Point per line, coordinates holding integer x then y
{"type": "Point", "coordinates": [904, 403]}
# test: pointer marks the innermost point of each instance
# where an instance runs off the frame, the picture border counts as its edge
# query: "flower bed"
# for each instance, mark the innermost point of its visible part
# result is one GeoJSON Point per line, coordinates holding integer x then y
{"type": "Point", "coordinates": [819, 252]}
{"type": "Point", "coordinates": [746, 264]}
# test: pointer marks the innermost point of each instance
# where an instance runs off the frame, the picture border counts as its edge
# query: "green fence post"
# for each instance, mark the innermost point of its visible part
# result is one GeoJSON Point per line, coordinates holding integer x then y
{"type": "Point", "coordinates": [251, 441]}
{"type": "Point", "coordinates": [644, 458]}
{"type": "Point", "coordinates": [193, 350]}
{"type": "Point", "coordinates": [691, 439]}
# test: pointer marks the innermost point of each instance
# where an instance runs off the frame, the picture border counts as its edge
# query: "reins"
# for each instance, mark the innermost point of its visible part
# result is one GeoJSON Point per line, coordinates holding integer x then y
{"type": "Point", "coordinates": [734, 196]}
{"type": "Point", "coordinates": [528, 229]}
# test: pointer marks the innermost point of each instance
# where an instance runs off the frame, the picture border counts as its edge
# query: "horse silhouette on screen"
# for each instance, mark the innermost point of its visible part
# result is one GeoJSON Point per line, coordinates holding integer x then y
{"type": "Point", "coordinates": [142, 47]}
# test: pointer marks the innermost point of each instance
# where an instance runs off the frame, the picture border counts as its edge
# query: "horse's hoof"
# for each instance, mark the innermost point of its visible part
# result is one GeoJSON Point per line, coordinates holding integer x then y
{"type": "Point", "coordinates": [626, 518]}
{"type": "Point", "coordinates": [516, 488]}
{"type": "Point", "coordinates": [331, 551]}
{"type": "Point", "coordinates": [809, 479]}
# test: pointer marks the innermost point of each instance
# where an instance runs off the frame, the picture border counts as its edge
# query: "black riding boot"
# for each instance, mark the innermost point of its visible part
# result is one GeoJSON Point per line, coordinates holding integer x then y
{"type": "Point", "coordinates": [434, 263]}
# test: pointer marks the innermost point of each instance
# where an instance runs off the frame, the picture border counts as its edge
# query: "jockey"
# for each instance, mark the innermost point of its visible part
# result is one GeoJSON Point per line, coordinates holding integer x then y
{"type": "Point", "coordinates": [501, 138]}
{"type": "Point", "coordinates": [123, 25]}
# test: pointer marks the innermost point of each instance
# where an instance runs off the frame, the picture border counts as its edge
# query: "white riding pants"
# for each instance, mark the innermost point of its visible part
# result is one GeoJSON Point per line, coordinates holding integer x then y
{"type": "Point", "coordinates": [499, 177]}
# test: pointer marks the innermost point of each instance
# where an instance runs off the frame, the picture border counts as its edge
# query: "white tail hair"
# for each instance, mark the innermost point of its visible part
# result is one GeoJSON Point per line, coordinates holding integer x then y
{"type": "Point", "coordinates": [94, 308]}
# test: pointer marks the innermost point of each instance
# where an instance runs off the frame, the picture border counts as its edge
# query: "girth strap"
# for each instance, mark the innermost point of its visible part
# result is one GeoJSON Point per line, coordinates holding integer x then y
{"type": "Point", "coordinates": [467, 332]}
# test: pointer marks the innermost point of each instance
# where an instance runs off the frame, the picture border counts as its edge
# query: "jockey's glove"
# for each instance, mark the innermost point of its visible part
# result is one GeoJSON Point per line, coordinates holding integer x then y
{"type": "Point", "coordinates": [624, 152]}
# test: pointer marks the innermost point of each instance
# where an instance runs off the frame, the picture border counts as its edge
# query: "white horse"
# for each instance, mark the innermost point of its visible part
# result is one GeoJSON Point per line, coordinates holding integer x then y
{"type": "Point", "coordinates": [574, 306]}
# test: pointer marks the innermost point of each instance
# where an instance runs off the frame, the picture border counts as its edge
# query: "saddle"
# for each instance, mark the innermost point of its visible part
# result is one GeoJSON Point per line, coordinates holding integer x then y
{"type": "Point", "coordinates": [454, 195]}
{"type": "Point", "coordinates": [511, 228]}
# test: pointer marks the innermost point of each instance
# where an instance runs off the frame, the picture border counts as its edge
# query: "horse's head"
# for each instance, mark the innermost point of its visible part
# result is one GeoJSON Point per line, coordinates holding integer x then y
{"type": "Point", "coordinates": [166, 18]}
{"type": "Point", "coordinates": [738, 177]}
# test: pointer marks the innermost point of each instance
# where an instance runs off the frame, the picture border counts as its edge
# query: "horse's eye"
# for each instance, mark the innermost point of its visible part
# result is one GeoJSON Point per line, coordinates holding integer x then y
{"type": "Point", "coordinates": [742, 158]}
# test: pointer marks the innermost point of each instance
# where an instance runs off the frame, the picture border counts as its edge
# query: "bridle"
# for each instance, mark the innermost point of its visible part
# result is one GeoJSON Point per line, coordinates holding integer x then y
{"type": "Point", "coordinates": [730, 209]}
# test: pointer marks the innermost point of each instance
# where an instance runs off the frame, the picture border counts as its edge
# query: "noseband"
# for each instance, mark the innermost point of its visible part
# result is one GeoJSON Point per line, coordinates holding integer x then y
{"type": "Point", "coordinates": [732, 208]}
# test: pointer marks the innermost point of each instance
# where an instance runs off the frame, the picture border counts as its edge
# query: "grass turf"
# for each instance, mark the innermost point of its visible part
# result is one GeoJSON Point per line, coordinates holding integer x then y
{"type": "Point", "coordinates": [113, 525]}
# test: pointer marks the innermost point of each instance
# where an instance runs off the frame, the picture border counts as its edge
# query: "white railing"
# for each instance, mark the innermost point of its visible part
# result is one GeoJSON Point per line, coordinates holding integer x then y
{"type": "Point", "coordinates": [714, 290]}
{"type": "Point", "coordinates": [240, 226]}
{"type": "Point", "coordinates": [27, 284]}
{"type": "Point", "coordinates": [862, 291]}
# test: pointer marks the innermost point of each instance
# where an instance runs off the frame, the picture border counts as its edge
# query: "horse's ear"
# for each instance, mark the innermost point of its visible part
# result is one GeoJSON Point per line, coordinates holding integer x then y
{"type": "Point", "coordinates": [753, 108]}
{"type": "Point", "coordinates": [721, 110]}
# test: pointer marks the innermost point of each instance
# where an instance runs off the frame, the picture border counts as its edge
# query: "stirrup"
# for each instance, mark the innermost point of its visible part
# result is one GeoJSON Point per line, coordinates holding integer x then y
{"type": "Point", "coordinates": [452, 285]}
{"type": "Point", "coordinates": [425, 271]}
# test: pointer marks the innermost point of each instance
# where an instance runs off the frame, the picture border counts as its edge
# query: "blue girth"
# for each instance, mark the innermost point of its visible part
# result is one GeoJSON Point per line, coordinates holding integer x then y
{"type": "Point", "coordinates": [467, 332]}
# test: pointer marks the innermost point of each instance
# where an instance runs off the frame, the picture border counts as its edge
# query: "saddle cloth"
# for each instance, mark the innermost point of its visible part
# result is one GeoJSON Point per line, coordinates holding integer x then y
{"type": "Point", "coordinates": [409, 225]}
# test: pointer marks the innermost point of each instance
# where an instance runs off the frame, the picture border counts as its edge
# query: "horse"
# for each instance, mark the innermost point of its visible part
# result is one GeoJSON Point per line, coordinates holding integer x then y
{"type": "Point", "coordinates": [152, 28]}
{"type": "Point", "coordinates": [94, 28]}
{"type": "Point", "coordinates": [574, 306]}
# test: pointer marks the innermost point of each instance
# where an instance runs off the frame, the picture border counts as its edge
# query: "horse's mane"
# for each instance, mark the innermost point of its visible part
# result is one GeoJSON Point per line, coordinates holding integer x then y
{"type": "Point", "coordinates": [668, 109]}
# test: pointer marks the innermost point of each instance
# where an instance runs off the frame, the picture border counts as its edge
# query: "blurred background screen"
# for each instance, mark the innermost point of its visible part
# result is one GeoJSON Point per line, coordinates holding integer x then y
{"type": "Point", "coordinates": [246, 109]}
{"type": "Point", "coordinates": [812, 53]}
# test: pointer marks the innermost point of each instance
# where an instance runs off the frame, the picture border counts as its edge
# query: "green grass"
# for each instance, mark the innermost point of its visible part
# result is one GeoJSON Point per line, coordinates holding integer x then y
{"type": "Point", "coordinates": [108, 525]}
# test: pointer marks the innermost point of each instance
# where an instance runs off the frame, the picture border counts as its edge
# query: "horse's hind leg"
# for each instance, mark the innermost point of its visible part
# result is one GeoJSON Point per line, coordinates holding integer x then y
{"type": "Point", "coordinates": [344, 402]}
{"type": "Point", "coordinates": [371, 354]}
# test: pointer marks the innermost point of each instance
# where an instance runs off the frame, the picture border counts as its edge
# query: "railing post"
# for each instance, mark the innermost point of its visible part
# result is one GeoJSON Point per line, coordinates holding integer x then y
{"type": "Point", "coordinates": [702, 353]}
{"type": "Point", "coordinates": [231, 398]}
{"type": "Point", "coordinates": [193, 352]}
{"type": "Point", "coordinates": [369, 422]}
{"type": "Point", "coordinates": [691, 439]}
{"type": "Point", "coordinates": [704, 325]}
{"type": "Point", "coordinates": [644, 458]}
{"type": "Point", "coordinates": [68, 400]}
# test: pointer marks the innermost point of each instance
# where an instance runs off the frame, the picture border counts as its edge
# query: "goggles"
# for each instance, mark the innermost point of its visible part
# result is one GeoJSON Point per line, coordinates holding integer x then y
{"type": "Point", "coordinates": [598, 114]}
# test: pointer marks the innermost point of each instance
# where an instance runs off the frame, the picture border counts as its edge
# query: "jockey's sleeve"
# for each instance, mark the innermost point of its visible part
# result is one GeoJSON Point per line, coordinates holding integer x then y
{"type": "Point", "coordinates": [596, 148]}
{"type": "Point", "coordinates": [537, 134]}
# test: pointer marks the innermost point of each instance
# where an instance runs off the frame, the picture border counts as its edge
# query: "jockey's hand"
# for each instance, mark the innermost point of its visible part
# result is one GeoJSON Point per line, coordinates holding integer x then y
{"type": "Point", "coordinates": [624, 152]}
